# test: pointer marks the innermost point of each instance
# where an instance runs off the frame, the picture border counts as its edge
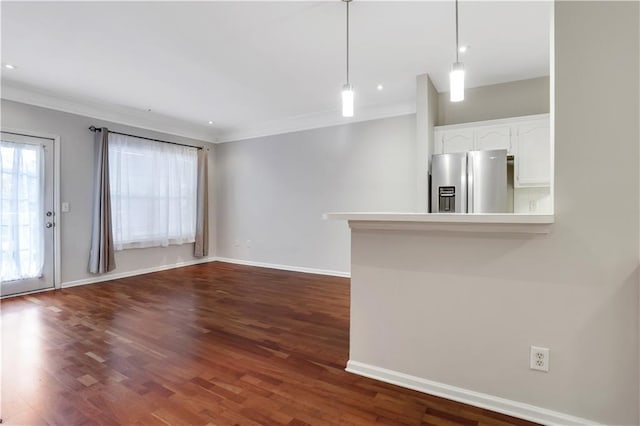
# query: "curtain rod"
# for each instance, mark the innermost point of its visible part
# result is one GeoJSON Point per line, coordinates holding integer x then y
{"type": "Point", "coordinates": [94, 128]}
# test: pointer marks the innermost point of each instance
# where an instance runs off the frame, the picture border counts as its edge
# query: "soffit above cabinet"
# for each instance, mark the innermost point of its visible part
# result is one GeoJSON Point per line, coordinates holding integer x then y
{"type": "Point", "coordinates": [498, 122]}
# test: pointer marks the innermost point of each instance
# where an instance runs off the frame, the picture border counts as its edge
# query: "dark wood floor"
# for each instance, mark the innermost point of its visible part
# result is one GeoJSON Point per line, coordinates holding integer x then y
{"type": "Point", "coordinates": [208, 344]}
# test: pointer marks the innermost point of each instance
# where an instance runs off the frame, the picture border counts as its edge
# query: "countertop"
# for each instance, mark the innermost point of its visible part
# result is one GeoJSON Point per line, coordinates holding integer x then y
{"type": "Point", "coordinates": [512, 223]}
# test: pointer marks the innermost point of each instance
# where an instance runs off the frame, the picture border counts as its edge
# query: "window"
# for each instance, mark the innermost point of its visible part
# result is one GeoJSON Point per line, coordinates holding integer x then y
{"type": "Point", "coordinates": [153, 192]}
{"type": "Point", "coordinates": [21, 210]}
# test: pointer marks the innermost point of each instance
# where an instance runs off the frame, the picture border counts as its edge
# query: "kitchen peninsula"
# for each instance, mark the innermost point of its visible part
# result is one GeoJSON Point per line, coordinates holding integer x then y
{"type": "Point", "coordinates": [430, 292]}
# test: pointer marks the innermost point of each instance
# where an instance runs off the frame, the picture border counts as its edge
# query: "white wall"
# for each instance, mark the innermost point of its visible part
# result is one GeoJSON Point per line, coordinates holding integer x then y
{"type": "Point", "coordinates": [273, 191]}
{"type": "Point", "coordinates": [77, 165]}
{"type": "Point", "coordinates": [463, 309]}
{"type": "Point", "coordinates": [541, 196]}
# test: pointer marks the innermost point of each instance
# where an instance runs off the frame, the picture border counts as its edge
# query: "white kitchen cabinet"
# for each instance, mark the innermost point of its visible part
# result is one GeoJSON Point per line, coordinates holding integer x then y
{"type": "Point", "coordinates": [493, 137]}
{"type": "Point", "coordinates": [526, 138]}
{"type": "Point", "coordinates": [458, 140]}
{"type": "Point", "coordinates": [533, 158]}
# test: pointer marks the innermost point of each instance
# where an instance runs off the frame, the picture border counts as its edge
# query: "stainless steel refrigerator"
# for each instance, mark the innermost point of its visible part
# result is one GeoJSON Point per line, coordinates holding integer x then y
{"type": "Point", "coordinates": [469, 182]}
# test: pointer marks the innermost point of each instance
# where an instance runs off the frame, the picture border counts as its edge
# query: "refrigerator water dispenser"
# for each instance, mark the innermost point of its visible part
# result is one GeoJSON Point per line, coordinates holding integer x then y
{"type": "Point", "coordinates": [447, 196]}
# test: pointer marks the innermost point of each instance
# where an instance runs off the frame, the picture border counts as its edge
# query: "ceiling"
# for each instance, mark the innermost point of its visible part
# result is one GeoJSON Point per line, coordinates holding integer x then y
{"type": "Point", "coordinates": [256, 68]}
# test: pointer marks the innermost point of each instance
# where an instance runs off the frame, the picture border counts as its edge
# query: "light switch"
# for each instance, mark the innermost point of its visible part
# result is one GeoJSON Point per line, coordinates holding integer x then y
{"type": "Point", "coordinates": [65, 207]}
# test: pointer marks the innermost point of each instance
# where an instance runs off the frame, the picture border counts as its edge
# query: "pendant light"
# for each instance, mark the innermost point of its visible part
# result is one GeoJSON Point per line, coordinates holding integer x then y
{"type": "Point", "coordinates": [456, 76]}
{"type": "Point", "coordinates": [347, 89]}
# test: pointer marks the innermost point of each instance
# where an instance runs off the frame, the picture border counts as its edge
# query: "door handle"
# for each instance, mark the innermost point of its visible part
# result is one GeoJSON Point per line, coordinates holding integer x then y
{"type": "Point", "coordinates": [470, 183]}
{"type": "Point", "coordinates": [49, 225]}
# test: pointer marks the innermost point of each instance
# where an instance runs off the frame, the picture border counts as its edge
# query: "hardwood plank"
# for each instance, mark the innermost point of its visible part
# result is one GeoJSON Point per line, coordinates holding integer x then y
{"type": "Point", "coordinates": [210, 344]}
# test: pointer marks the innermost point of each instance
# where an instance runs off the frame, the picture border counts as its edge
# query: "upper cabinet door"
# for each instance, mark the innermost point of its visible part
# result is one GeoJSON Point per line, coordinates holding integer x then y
{"type": "Point", "coordinates": [456, 141]}
{"type": "Point", "coordinates": [533, 158]}
{"type": "Point", "coordinates": [493, 137]}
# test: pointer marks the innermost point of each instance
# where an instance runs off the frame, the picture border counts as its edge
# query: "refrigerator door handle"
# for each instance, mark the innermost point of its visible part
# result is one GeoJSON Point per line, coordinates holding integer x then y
{"type": "Point", "coordinates": [470, 173]}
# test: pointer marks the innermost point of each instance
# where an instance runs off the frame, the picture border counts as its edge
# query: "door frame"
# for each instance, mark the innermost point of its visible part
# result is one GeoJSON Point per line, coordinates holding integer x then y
{"type": "Point", "coordinates": [57, 276]}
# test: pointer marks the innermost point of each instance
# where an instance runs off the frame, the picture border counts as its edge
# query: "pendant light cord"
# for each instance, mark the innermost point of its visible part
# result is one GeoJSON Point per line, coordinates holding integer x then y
{"type": "Point", "coordinates": [457, 47]}
{"type": "Point", "coordinates": [347, 41]}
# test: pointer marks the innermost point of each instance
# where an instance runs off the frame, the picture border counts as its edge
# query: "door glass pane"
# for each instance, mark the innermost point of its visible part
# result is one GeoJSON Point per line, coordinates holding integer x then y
{"type": "Point", "coordinates": [21, 211]}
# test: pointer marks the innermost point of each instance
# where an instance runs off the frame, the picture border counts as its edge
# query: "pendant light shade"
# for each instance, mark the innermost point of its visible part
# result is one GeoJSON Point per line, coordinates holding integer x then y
{"type": "Point", "coordinates": [456, 82]}
{"type": "Point", "coordinates": [347, 89]}
{"type": "Point", "coordinates": [347, 100]}
{"type": "Point", "coordinates": [456, 76]}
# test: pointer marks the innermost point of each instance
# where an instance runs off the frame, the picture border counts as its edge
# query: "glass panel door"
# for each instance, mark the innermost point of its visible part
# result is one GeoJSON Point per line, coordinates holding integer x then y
{"type": "Point", "coordinates": [26, 214]}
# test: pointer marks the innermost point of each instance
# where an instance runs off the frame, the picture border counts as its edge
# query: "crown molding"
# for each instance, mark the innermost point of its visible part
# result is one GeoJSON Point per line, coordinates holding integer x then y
{"type": "Point", "coordinates": [316, 121]}
{"type": "Point", "coordinates": [109, 112]}
{"type": "Point", "coordinates": [173, 126]}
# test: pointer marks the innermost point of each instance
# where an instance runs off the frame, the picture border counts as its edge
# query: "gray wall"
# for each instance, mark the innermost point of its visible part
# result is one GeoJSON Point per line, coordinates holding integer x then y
{"type": "Point", "coordinates": [463, 309]}
{"type": "Point", "coordinates": [426, 117]}
{"type": "Point", "coordinates": [513, 99]}
{"type": "Point", "coordinates": [272, 191]}
{"type": "Point", "coordinates": [76, 180]}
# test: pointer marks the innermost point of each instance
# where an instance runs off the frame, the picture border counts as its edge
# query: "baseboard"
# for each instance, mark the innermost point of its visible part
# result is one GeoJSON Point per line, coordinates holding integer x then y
{"type": "Point", "coordinates": [285, 267]}
{"type": "Point", "coordinates": [118, 275]}
{"type": "Point", "coordinates": [26, 293]}
{"type": "Point", "coordinates": [115, 276]}
{"type": "Point", "coordinates": [477, 399]}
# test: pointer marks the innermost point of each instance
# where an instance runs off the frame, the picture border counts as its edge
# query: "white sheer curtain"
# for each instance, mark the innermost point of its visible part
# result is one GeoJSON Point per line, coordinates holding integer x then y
{"type": "Point", "coordinates": [21, 211]}
{"type": "Point", "coordinates": [153, 192]}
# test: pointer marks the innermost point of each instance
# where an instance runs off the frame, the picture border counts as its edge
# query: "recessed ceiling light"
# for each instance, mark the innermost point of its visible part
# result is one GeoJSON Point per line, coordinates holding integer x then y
{"type": "Point", "coordinates": [210, 122]}
{"type": "Point", "coordinates": [9, 66]}
{"type": "Point", "coordinates": [464, 48]}
{"type": "Point", "coordinates": [380, 87]}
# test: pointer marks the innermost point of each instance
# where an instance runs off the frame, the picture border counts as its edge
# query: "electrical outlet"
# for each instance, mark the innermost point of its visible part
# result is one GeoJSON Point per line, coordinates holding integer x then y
{"type": "Point", "coordinates": [533, 205]}
{"type": "Point", "coordinates": [65, 207]}
{"type": "Point", "coordinates": [539, 358]}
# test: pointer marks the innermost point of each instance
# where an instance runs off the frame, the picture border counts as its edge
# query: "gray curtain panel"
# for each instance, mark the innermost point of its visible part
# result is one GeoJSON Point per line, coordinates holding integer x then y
{"type": "Point", "coordinates": [102, 255]}
{"type": "Point", "coordinates": [202, 209]}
